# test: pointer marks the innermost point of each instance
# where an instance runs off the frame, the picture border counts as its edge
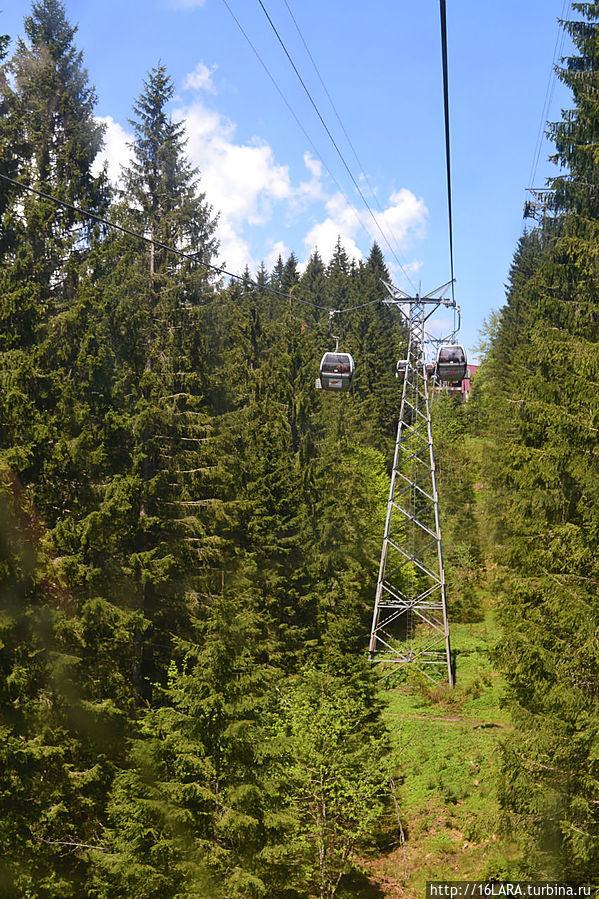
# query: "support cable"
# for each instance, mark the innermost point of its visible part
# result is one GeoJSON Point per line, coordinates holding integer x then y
{"type": "Point", "coordinates": [287, 103]}
{"type": "Point", "coordinates": [338, 117]}
{"type": "Point", "coordinates": [299, 124]}
{"type": "Point", "coordinates": [557, 52]}
{"type": "Point", "coordinates": [332, 139]}
{"type": "Point", "coordinates": [192, 257]}
{"type": "Point", "coordinates": [447, 139]}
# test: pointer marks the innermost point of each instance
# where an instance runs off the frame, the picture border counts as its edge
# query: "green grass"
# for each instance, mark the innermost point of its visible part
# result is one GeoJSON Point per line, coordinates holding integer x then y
{"type": "Point", "coordinates": [447, 745]}
{"type": "Point", "coordinates": [448, 742]}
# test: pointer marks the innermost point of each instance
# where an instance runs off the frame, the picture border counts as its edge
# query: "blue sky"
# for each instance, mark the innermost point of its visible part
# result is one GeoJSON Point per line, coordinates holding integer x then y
{"type": "Point", "coordinates": [282, 188]}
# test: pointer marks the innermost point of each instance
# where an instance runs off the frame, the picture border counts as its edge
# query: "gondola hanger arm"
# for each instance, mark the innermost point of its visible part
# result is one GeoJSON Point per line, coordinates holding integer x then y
{"type": "Point", "coordinates": [332, 313]}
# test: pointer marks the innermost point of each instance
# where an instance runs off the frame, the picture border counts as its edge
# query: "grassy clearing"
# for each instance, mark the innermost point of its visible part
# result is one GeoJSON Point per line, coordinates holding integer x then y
{"type": "Point", "coordinates": [448, 749]}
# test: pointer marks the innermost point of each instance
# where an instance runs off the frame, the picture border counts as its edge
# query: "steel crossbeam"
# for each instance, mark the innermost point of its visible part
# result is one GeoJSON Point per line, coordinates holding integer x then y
{"type": "Point", "coordinates": [410, 624]}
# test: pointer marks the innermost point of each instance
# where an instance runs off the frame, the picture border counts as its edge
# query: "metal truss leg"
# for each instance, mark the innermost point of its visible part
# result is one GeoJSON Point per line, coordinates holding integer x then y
{"type": "Point", "coordinates": [410, 624]}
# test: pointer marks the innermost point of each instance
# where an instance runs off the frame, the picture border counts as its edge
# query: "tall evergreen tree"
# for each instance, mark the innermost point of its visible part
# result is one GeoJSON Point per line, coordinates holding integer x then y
{"type": "Point", "coordinates": [545, 414]}
{"type": "Point", "coordinates": [203, 808]}
{"type": "Point", "coordinates": [161, 476]}
{"type": "Point", "coordinates": [51, 140]}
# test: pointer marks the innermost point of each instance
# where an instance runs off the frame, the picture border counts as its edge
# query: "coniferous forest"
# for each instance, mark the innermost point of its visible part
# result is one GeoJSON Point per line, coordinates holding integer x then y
{"type": "Point", "coordinates": [190, 536]}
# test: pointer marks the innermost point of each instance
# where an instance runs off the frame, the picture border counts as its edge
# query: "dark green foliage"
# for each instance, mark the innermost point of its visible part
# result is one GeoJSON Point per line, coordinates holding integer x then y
{"type": "Point", "coordinates": [51, 779]}
{"type": "Point", "coordinates": [538, 394]}
{"type": "Point", "coordinates": [461, 542]}
{"type": "Point", "coordinates": [204, 799]}
{"type": "Point", "coordinates": [162, 184]}
{"type": "Point", "coordinates": [189, 530]}
{"type": "Point", "coordinates": [338, 772]}
{"type": "Point", "coordinates": [146, 529]}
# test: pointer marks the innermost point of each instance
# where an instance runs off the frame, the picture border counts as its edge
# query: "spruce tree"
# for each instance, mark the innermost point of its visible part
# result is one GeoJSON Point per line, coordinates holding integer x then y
{"type": "Point", "coordinates": [160, 471]}
{"type": "Point", "coordinates": [49, 127]}
{"type": "Point", "coordinates": [202, 810]}
{"type": "Point", "coordinates": [51, 140]}
{"type": "Point", "coordinates": [543, 363]}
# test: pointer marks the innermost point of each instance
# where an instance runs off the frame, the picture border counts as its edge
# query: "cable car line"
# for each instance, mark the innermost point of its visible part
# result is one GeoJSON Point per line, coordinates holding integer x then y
{"type": "Point", "coordinates": [283, 97]}
{"type": "Point", "coordinates": [557, 52]}
{"type": "Point", "coordinates": [303, 130]}
{"type": "Point", "coordinates": [307, 136]}
{"type": "Point", "coordinates": [332, 139]}
{"type": "Point", "coordinates": [292, 111]}
{"type": "Point", "coordinates": [192, 257]}
{"type": "Point", "coordinates": [447, 141]}
{"type": "Point", "coordinates": [338, 117]}
{"type": "Point", "coordinates": [324, 87]}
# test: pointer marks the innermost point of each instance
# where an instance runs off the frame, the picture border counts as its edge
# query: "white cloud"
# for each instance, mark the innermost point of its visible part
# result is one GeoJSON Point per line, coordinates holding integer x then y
{"type": "Point", "coordinates": [324, 236]}
{"type": "Point", "coordinates": [402, 222]}
{"type": "Point", "coordinates": [272, 257]}
{"type": "Point", "coordinates": [405, 218]}
{"type": "Point", "coordinates": [200, 79]}
{"type": "Point", "coordinates": [340, 211]}
{"type": "Point", "coordinates": [116, 152]}
{"type": "Point", "coordinates": [314, 166]}
{"type": "Point", "coordinates": [241, 181]}
{"type": "Point", "coordinates": [234, 251]}
{"type": "Point", "coordinates": [310, 191]}
{"type": "Point", "coordinates": [248, 188]}
{"type": "Point", "coordinates": [342, 223]}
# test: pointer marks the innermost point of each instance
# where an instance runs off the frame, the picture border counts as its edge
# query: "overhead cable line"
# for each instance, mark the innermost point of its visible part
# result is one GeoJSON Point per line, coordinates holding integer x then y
{"type": "Point", "coordinates": [304, 132]}
{"type": "Point", "coordinates": [557, 52]}
{"type": "Point", "coordinates": [192, 257]}
{"type": "Point", "coordinates": [338, 117]}
{"type": "Point", "coordinates": [332, 139]}
{"type": "Point", "coordinates": [447, 139]}
{"type": "Point", "coordinates": [291, 110]}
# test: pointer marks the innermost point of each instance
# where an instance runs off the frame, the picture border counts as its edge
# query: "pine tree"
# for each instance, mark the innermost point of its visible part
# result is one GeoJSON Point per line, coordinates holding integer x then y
{"type": "Point", "coordinates": [146, 535]}
{"type": "Point", "coordinates": [202, 809]}
{"type": "Point", "coordinates": [51, 139]}
{"type": "Point", "coordinates": [162, 183]}
{"type": "Point", "coordinates": [542, 366]}
{"type": "Point", "coordinates": [58, 752]}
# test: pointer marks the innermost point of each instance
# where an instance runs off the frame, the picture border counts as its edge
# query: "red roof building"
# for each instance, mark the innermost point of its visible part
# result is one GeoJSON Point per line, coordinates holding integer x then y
{"type": "Point", "coordinates": [467, 382]}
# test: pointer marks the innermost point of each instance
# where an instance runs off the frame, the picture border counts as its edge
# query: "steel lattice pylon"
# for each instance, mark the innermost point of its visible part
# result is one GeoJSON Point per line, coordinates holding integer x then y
{"type": "Point", "coordinates": [410, 624]}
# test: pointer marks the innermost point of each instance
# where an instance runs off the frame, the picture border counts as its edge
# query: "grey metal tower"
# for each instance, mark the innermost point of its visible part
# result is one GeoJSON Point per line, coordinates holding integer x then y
{"type": "Point", "coordinates": [410, 624]}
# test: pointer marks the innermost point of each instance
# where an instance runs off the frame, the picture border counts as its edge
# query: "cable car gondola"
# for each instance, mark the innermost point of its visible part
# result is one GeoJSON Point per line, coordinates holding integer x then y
{"type": "Point", "coordinates": [402, 368]}
{"type": "Point", "coordinates": [336, 371]}
{"type": "Point", "coordinates": [451, 363]}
